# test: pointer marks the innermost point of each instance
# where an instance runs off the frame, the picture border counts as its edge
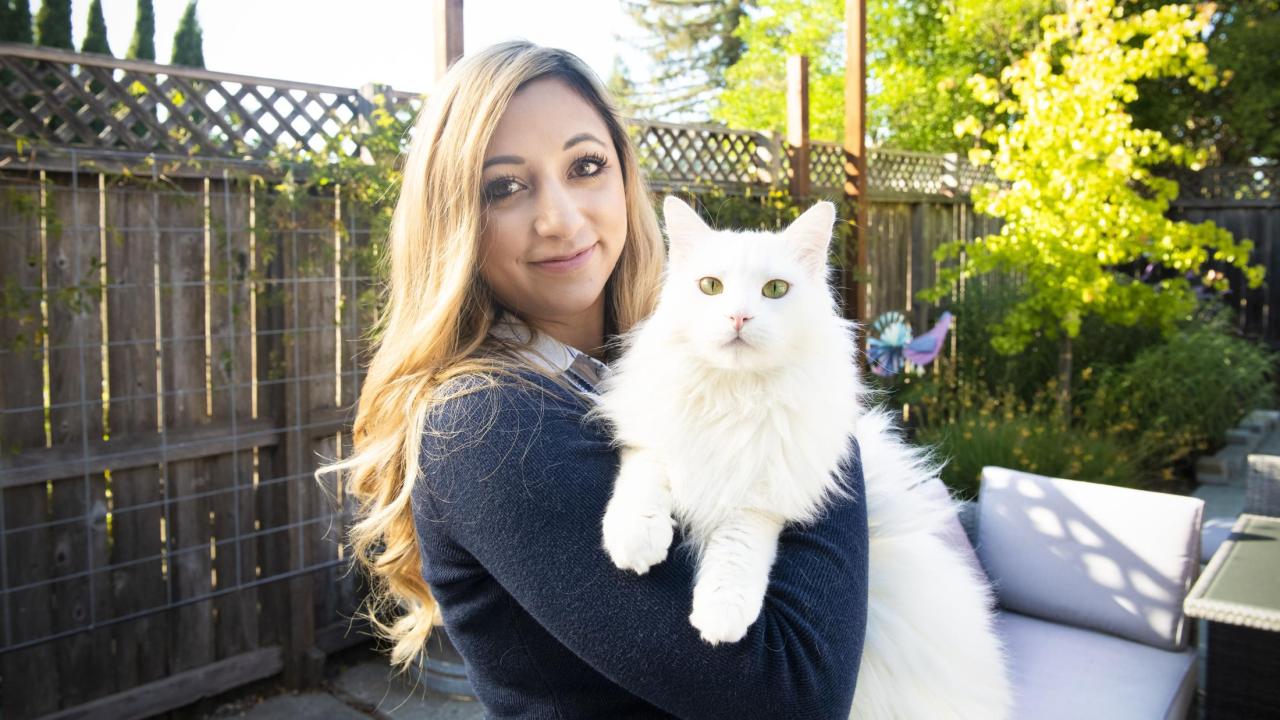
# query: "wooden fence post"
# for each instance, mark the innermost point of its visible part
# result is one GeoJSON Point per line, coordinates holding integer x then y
{"type": "Point", "coordinates": [855, 154]}
{"type": "Point", "coordinates": [448, 17]}
{"type": "Point", "coordinates": [366, 102]}
{"type": "Point", "coordinates": [798, 124]}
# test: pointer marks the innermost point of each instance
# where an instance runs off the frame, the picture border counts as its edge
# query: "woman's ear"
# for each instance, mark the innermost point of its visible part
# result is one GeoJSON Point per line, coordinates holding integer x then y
{"type": "Point", "coordinates": [811, 236]}
{"type": "Point", "coordinates": [683, 226]}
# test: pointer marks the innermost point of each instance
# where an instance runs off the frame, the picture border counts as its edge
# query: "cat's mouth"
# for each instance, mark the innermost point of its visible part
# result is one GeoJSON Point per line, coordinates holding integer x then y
{"type": "Point", "coordinates": [737, 342]}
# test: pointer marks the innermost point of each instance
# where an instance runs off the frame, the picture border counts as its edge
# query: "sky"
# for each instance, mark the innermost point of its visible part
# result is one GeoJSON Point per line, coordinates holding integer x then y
{"type": "Point", "coordinates": [348, 44]}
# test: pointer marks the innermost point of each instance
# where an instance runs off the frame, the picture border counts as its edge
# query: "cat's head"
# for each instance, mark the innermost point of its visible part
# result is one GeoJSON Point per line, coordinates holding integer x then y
{"type": "Point", "coordinates": [747, 299]}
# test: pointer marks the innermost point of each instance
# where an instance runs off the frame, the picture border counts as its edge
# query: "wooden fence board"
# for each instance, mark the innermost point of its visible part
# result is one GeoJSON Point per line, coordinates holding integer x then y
{"type": "Point", "coordinates": [183, 350]}
{"type": "Point", "coordinates": [271, 497]}
{"type": "Point", "coordinates": [77, 504]}
{"type": "Point", "coordinates": [31, 675]}
{"type": "Point", "coordinates": [139, 583]}
{"type": "Point", "coordinates": [316, 335]}
{"type": "Point", "coordinates": [232, 352]}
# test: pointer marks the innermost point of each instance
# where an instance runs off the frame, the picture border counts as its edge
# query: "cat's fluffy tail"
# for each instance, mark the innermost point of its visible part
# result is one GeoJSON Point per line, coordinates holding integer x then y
{"type": "Point", "coordinates": [931, 651]}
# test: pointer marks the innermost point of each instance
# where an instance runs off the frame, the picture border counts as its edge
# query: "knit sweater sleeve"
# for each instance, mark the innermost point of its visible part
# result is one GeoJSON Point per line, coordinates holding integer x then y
{"type": "Point", "coordinates": [520, 482]}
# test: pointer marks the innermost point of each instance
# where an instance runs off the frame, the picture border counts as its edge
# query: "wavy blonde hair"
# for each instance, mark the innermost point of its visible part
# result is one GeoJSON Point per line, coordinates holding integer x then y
{"type": "Point", "coordinates": [437, 312]}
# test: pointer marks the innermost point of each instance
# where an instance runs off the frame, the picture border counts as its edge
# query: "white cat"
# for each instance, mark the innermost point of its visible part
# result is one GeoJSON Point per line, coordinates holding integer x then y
{"type": "Point", "coordinates": [733, 405]}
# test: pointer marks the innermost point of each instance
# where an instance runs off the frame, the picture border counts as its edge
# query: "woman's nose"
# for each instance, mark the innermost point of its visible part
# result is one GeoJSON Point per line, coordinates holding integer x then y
{"type": "Point", "coordinates": [557, 213]}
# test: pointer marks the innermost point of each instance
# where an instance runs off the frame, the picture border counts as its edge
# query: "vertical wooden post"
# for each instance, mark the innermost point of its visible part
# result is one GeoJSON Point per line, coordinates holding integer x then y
{"type": "Point", "coordinates": [448, 17]}
{"type": "Point", "coordinates": [798, 124]}
{"type": "Point", "coordinates": [366, 103]}
{"type": "Point", "coordinates": [855, 153]}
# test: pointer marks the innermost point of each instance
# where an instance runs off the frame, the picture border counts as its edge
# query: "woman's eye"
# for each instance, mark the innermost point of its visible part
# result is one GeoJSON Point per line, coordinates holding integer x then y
{"type": "Point", "coordinates": [590, 165]}
{"type": "Point", "coordinates": [711, 286]}
{"type": "Point", "coordinates": [775, 289]}
{"type": "Point", "coordinates": [499, 189]}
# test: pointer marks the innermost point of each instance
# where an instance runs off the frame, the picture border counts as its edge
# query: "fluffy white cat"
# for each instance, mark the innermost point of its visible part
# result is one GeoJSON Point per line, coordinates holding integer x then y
{"type": "Point", "coordinates": [733, 405]}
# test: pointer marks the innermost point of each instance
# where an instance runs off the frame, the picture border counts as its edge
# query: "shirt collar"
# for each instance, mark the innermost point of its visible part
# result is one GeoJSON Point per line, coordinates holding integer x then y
{"type": "Point", "coordinates": [547, 352]}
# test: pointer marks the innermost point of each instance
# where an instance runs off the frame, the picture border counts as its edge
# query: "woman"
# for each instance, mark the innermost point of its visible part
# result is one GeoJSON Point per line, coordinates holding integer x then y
{"type": "Point", "coordinates": [522, 241]}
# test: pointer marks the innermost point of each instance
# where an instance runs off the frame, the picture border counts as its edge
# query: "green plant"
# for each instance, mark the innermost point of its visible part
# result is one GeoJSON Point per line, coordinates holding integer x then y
{"type": "Point", "coordinates": [1079, 199]}
{"type": "Point", "coordinates": [188, 40]}
{"type": "Point", "coordinates": [95, 37]}
{"type": "Point", "coordinates": [1008, 431]}
{"type": "Point", "coordinates": [1180, 397]}
{"type": "Point", "coordinates": [143, 44]}
{"type": "Point", "coordinates": [53, 24]}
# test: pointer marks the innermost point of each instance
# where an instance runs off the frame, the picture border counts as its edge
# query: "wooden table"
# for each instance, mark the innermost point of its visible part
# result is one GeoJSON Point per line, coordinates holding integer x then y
{"type": "Point", "coordinates": [1239, 595]}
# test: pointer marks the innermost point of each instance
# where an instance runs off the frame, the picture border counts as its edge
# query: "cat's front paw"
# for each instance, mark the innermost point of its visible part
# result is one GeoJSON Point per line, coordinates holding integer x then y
{"type": "Point", "coordinates": [723, 614]}
{"type": "Point", "coordinates": [636, 540]}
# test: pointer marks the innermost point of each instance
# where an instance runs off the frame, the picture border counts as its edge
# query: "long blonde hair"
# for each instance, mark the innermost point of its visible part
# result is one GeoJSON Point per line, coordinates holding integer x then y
{"type": "Point", "coordinates": [437, 311]}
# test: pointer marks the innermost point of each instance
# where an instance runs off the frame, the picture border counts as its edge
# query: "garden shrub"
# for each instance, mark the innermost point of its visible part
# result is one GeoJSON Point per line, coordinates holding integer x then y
{"type": "Point", "coordinates": [1180, 396]}
{"type": "Point", "coordinates": [1007, 431]}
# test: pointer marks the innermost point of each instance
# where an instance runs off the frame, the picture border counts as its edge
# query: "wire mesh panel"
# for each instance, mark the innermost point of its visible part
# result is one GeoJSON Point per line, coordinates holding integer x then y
{"type": "Point", "coordinates": [176, 359]}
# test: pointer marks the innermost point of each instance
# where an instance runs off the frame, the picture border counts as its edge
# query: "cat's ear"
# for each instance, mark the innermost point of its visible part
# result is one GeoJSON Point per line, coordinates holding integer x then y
{"type": "Point", "coordinates": [811, 236]}
{"type": "Point", "coordinates": [682, 224]}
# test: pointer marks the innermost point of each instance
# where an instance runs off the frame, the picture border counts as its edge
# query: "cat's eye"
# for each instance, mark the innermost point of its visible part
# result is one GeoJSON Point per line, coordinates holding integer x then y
{"type": "Point", "coordinates": [711, 286]}
{"type": "Point", "coordinates": [775, 289]}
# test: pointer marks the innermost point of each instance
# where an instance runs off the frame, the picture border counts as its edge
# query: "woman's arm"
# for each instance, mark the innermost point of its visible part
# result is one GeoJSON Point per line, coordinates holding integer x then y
{"type": "Point", "coordinates": [526, 499]}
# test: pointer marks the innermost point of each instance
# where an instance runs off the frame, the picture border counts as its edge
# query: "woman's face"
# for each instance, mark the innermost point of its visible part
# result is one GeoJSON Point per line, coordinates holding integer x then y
{"type": "Point", "coordinates": [555, 214]}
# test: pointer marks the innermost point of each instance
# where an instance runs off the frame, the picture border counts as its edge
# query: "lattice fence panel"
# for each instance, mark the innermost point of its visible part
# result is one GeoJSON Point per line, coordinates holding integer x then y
{"type": "Point", "coordinates": [676, 156]}
{"type": "Point", "coordinates": [67, 99]}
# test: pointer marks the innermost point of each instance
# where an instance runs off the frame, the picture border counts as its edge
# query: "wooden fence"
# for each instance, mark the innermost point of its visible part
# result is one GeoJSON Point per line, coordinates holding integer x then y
{"type": "Point", "coordinates": [1246, 202]}
{"type": "Point", "coordinates": [178, 351]}
{"type": "Point", "coordinates": [177, 360]}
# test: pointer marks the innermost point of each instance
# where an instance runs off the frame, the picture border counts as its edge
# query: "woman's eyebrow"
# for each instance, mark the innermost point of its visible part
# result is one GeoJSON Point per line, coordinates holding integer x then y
{"type": "Point", "coordinates": [517, 160]}
{"type": "Point", "coordinates": [503, 160]}
{"type": "Point", "coordinates": [580, 137]}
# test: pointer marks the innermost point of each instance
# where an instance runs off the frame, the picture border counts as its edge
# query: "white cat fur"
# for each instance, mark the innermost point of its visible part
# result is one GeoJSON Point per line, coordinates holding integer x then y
{"type": "Point", "coordinates": [735, 442]}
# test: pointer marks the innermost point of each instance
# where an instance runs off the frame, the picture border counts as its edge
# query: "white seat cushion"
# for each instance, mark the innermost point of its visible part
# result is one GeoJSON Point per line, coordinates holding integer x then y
{"type": "Point", "coordinates": [1111, 559]}
{"type": "Point", "coordinates": [1065, 672]}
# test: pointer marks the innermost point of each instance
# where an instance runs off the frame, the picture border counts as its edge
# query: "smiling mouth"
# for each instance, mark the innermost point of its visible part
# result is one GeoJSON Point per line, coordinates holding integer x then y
{"type": "Point", "coordinates": [568, 263]}
{"type": "Point", "coordinates": [737, 342]}
{"type": "Point", "coordinates": [566, 258]}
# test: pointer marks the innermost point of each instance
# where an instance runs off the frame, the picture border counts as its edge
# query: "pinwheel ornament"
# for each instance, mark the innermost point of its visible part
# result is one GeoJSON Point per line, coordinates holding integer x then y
{"type": "Point", "coordinates": [895, 347]}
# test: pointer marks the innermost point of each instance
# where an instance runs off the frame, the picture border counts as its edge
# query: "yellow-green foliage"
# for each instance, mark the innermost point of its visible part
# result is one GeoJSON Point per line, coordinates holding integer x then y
{"type": "Point", "coordinates": [1078, 196]}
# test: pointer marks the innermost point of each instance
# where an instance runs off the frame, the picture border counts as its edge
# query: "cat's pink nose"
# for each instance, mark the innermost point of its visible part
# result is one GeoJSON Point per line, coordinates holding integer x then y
{"type": "Point", "coordinates": [739, 321]}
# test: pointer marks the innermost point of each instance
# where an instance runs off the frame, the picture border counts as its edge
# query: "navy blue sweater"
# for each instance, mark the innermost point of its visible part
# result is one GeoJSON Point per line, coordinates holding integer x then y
{"type": "Point", "coordinates": [509, 514]}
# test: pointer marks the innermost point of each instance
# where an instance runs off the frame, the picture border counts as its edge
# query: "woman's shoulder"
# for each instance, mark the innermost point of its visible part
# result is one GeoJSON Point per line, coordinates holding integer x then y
{"type": "Point", "coordinates": [487, 441]}
{"type": "Point", "coordinates": [470, 401]}
{"type": "Point", "coordinates": [482, 417]}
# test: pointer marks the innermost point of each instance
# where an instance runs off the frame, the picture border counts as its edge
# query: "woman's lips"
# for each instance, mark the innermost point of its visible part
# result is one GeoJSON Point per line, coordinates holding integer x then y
{"type": "Point", "coordinates": [571, 263]}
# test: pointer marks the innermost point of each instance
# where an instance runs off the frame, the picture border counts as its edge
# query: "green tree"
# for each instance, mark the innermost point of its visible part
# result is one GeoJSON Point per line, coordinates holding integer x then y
{"type": "Point", "coordinates": [755, 94]}
{"type": "Point", "coordinates": [921, 51]}
{"type": "Point", "coordinates": [95, 38]}
{"type": "Point", "coordinates": [17, 21]}
{"type": "Point", "coordinates": [621, 87]}
{"type": "Point", "coordinates": [143, 44]}
{"type": "Point", "coordinates": [692, 43]}
{"type": "Point", "coordinates": [1078, 197]}
{"type": "Point", "coordinates": [918, 51]}
{"type": "Point", "coordinates": [53, 24]}
{"type": "Point", "coordinates": [188, 41]}
{"type": "Point", "coordinates": [1239, 118]}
